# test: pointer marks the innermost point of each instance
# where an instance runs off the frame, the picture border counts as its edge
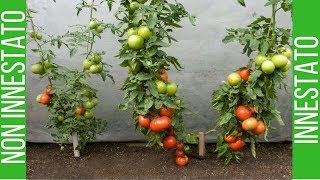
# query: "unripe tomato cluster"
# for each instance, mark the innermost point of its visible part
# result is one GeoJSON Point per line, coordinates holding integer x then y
{"type": "Point", "coordinates": [35, 35]}
{"type": "Point", "coordinates": [86, 109]}
{"type": "Point", "coordinates": [280, 61]}
{"type": "Point", "coordinates": [137, 36]}
{"type": "Point", "coordinates": [94, 64]}
{"type": "Point", "coordinates": [96, 26]}
{"type": "Point", "coordinates": [41, 67]}
{"type": "Point", "coordinates": [235, 78]}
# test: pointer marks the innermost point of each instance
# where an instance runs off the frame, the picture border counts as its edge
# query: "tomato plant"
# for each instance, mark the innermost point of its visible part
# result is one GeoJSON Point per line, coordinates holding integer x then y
{"type": "Point", "coordinates": [69, 97]}
{"type": "Point", "coordinates": [242, 103]}
{"type": "Point", "coordinates": [144, 32]}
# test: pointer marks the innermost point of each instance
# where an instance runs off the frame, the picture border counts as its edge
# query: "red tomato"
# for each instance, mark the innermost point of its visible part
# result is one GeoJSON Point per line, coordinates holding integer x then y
{"type": "Point", "coordinates": [160, 124]}
{"type": "Point", "coordinates": [144, 122]}
{"type": "Point", "coordinates": [230, 138]}
{"type": "Point", "coordinates": [243, 113]}
{"type": "Point", "coordinates": [182, 161]}
{"type": "Point", "coordinates": [180, 146]}
{"type": "Point", "coordinates": [47, 90]}
{"type": "Point", "coordinates": [170, 132]}
{"type": "Point", "coordinates": [249, 124]}
{"type": "Point", "coordinates": [237, 145]}
{"type": "Point", "coordinates": [80, 110]}
{"type": "Point", "coordinates": [164, 75]}
{"type": "Point", "coordinates": [169, 142]}
{"type": "Point", "coordinates": [179, 153]}
{"type": "Point", "coordinates": [45, 99]}
{"type": "Point", "coordinates": [167, 111]}
{"type": "Point", "coordinates": [261, 128]}
{"type": "Point", "coordinates": [244, 74]}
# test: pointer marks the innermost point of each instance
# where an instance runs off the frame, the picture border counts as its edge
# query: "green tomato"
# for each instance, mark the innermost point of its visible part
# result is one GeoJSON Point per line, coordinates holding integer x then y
{"type": "Point", "coordinates": [37, 69]}
{"type": "Point", "coordinates": [234, 79]}
{"type": "Point", "coordinates": [142, 1]}
{"type": "Point", "coordinates": [132, 31]}
{"type": "Point", "coordinates": [144, 32]}
{"type": "Point", "coordinates": [268, 67]}
{"type": "Point", "coordinates": [39, 36]}
{"type": "Point", "coordinates": [32, 34]}
{"type": "Point", "coordinates": [100, 66]}
{"type": "Point", "coordinates": [134, 66]}
{"type": "Point", "coordinates": [93, 24]}
{"type": "Point", "coordinates": [171, 89]}
{"type": "Point", "coordinates": [259, 59]}
{"type": "Point", "coordinates": [61, 117]}
{"type": "Point", "coordinates": [134, 6]}
{"type": "Point", "coordinates": [177, 102]}
{"type": "Point", "coordinates": [88, 114]}
{"type": "Point", "coordinates": [161, 87]}
{"type": "Point", "coordinates": [87, 64]}
{"type": "Point", "coordinates": [287, 67]}
{"type": "Point", "coordinates": [94, 69]}
{"type": "Point", "coordinates": [94, 101]}
{"type": "Point", "coordinates": [135, 42]}
{"type": "Point", "coordinates": [47, 64]}
{"type": "Point", "coordinates": [97, 58]}
{"type": "Point", "coordinates": [279, 60]}
{"type": "Point", "coordinates": [89, 105]}
{"type": "Point", "coordinates": [38, 98]}
{"type": "Point", "coordinates": [86, 93]}
{"type": "Point", "coordinates": [285, 51]}
{"type": "Point", "coordinates": [99, 29]}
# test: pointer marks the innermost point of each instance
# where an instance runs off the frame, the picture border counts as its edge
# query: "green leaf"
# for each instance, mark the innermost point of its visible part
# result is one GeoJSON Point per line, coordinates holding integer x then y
{"type": "Point", "coordinates": [224, 119]}
{"type": "Point", "coordinates": [264, 47]}
{"type": "Point", "coordinates": [73, 51]}
{"type": "Point", "coordinates": [228, 38]}
{"type": "Point", "coordinates": [152, 88]}
{"type": "Point", "coordinates": [148, 103]}
{"type": "Point", "coordinates": [271, 2]}
{"type": "Point", "coordinates": [191, 138]}
{"type": "Point", "coordinates": [242, 3]}
{"type": "Point", "coordinates": [192, 20]}
{"type": "Point", "coordinates": [143, 76]}
{"type": "Point", "coordinates": [254, 44]}
{"type": "Point", "coordinates": [152, 20]}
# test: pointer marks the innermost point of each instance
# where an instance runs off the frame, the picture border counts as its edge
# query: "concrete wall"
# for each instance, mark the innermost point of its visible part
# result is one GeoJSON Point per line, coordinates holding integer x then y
{"type": "Point", "coordinates": [206, 61]}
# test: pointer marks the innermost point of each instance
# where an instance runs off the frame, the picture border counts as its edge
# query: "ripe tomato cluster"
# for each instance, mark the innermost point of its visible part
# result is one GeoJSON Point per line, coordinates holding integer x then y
{"type": "Point", "coordinates": [45, 97]}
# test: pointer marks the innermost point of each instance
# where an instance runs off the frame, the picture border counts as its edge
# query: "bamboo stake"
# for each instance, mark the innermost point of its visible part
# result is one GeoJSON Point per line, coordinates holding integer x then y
{"type": "Point", "coordinates": [202, 145]}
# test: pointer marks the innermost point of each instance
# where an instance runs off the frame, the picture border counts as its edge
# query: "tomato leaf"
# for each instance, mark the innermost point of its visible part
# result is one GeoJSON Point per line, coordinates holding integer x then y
{"type": "Point", "coordinates": [242, 3]}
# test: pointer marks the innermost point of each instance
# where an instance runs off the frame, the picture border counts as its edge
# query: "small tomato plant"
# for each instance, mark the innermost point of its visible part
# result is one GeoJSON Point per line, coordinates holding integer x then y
{"type": "Point", "coordinates": [247, 102]}
{"type": "Point", "coordinates": [145, 30]}
{"type": "Point", "coordinates": [69, 97]}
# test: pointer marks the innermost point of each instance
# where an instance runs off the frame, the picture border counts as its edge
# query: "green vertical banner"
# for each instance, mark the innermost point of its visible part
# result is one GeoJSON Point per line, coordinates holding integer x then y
{"type": "Point", "coordinates": [13, 89]}
{"type": "Point", "coordinates": [306, 36]}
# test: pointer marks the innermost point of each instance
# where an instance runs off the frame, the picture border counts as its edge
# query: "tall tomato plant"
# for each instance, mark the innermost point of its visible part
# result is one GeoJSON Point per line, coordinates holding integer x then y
{"type": "Point", "coordinates": [69, 97]}
{"type": "Point", "coordinates": [145, 30]}
{"type": "Point", "coordinates": [247, 102]}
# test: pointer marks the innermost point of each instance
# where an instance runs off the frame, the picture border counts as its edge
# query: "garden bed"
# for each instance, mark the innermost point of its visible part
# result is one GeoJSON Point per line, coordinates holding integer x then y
{"type": "Point", "coordinates": [127, 160]}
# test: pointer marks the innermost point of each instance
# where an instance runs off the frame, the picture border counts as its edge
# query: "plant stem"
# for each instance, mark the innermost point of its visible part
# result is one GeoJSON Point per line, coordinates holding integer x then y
{"type": "Point", "coordinates": [90, 45]}
{"type": "Point", "coordinates": [35, 39]}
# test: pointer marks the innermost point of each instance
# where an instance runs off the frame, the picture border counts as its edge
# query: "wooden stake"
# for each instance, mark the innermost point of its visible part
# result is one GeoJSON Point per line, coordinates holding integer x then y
{"type": "Point", "coordinates": [202, 145]}
{"type": "Point", "coordinates": [75, 144]}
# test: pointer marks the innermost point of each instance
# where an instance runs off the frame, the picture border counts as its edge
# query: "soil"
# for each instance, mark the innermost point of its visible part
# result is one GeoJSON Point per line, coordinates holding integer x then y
{"type": "Point", "coordinates": [131, 161]}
